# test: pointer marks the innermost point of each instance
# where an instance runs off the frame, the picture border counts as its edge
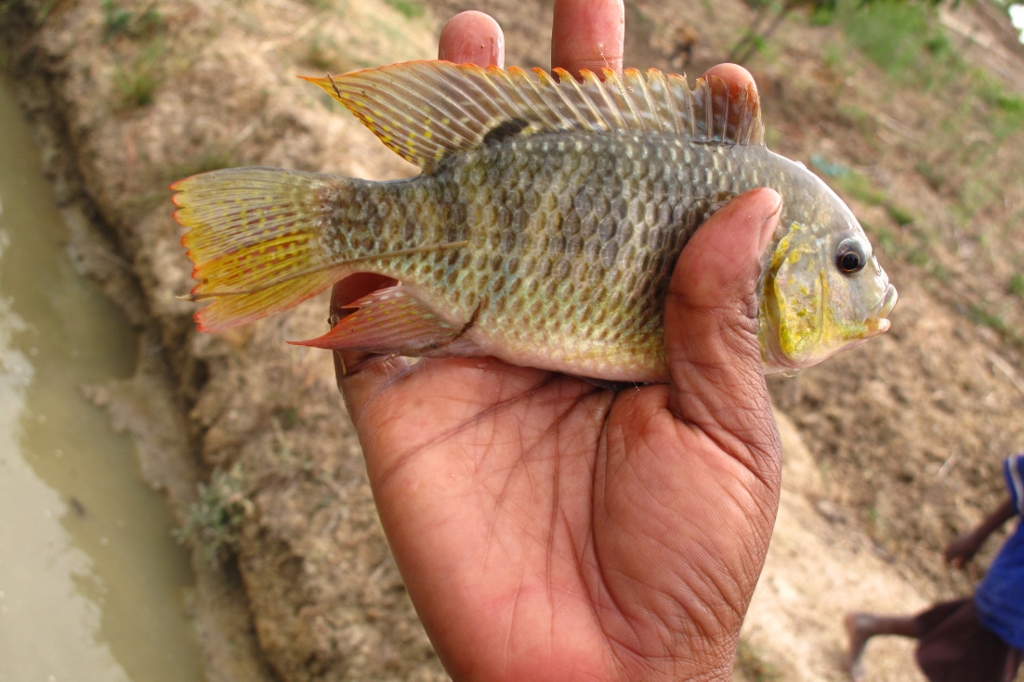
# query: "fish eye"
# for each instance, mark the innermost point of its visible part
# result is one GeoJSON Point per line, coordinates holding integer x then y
{"type": "Point", "coordinates": [850, 256]}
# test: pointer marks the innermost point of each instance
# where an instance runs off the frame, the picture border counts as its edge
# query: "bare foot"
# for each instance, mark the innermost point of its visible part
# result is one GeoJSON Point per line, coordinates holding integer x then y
{"type": "Point", "coordinates": [858, 629]}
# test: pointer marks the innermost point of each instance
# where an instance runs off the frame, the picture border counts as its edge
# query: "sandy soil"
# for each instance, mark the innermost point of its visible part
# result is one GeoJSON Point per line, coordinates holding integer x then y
{"type": "Point", "coordinates": [890, 449]}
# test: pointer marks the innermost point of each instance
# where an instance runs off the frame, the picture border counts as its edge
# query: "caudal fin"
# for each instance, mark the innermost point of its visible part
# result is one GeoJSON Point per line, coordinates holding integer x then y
{"type": "Point", "coordinates": [253, 239]}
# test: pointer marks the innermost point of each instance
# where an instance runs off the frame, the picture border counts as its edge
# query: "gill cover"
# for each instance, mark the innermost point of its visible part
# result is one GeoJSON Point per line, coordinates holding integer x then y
{"type": "Point", "coordinates": [799, 304]}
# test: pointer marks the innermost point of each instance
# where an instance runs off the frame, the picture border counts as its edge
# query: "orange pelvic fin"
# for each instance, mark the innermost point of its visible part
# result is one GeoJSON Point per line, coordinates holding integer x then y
{"type": "Point", "coordinates": [393, 321]}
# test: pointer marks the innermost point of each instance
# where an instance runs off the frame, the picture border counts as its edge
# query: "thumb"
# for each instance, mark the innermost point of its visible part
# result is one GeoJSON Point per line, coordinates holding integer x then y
{"type": "Point", "coordinates": [711, 322]}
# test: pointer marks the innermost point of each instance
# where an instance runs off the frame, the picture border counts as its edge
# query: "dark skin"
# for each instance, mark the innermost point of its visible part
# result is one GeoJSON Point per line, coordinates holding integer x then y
{"type": "Point", "coordinates": [965, 546]}
{"type": "Point", "coordinates": [547, 529]}
{"type": "Point", "coordinates": [863, 626]}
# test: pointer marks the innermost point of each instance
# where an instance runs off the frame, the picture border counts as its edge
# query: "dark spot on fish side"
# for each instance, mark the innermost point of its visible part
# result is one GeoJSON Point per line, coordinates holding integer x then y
{"type": "Point", "coordinates": [506, 130]}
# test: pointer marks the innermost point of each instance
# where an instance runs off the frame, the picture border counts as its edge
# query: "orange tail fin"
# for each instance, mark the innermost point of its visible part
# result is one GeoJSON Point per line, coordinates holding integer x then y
{"type": "Point", "coordinates": [254, 239]}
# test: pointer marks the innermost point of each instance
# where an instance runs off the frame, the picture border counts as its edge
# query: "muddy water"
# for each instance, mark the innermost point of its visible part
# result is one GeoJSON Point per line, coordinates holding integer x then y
{"type": "Point", "coordinates": [91, 583]}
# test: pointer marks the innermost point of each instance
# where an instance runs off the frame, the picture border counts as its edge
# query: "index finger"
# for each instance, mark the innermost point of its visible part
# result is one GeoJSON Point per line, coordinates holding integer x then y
{"type": "Point", "coordinates": [472, 38]}
{"type": "Point", "coordinates": [588, 34]}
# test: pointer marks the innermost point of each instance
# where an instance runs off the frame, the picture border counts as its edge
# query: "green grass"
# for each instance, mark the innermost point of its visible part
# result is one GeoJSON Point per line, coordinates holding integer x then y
{"type": "Point", "coordinates": [899, 214]}
{"type": "Point", "coordinates": [118, 21]}
{"type": "Point", "coordinates": [137, 84]}
{"type": "Point", "coordinates": [1017, 285]}
{"type": "Point", "coordinates": [903, 38]}
{"type": "Point", "coordinates": [289, 418]}
{"type": "Point", "coordinates": [917, 256]}
{"type": "Point", "coordinates": [752, 664]}
{"type": "Point", "coordinates": [863, 189]}
{"type": "Point", "coordinates": [886, 239]}
{"type": "Point", "coordinates": [981, 315]}
{"type": "Point", "coordinates": [1007, 109]}
{"type": "Point", "coordinates": [410, 8]}
{"type": "Point", "coordinates": [214, 521]}
{"type": "Point", "coordinates": [908, 42]}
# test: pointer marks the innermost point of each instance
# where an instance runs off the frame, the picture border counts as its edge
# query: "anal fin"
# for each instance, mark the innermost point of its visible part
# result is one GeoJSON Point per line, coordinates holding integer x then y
{"type": "Point", "coordinates": [392, 321]}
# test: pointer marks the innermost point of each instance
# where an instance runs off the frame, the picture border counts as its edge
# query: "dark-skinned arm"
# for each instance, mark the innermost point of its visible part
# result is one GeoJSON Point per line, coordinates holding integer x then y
{"type": "Point", "coordinates": [964, 547]}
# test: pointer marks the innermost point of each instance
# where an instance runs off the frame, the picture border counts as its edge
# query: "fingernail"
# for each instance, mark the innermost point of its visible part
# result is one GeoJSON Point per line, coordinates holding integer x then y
{"type": "Point", "coordinates": [768, 228]}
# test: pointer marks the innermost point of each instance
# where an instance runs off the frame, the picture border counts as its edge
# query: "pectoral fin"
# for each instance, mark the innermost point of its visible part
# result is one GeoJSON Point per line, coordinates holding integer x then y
{"type": "Point", "coordinates": [393, 321]}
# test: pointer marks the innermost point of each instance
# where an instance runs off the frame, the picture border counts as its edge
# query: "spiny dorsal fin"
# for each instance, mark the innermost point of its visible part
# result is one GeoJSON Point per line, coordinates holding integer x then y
{"type": "Point", "coordinates": [426, 110]}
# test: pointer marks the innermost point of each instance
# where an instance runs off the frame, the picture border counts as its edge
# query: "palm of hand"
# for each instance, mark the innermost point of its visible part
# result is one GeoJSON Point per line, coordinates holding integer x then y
{"type": "Point", "coordinates": [548, 529]}
{"type": "Point", "coordinates": [539, 519]}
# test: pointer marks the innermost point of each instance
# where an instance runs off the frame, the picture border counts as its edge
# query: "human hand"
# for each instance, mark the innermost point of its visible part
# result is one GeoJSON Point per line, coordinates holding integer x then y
{"type": "Point", "coordinates": [965, 546]}
{"type": "Point", "coordinates": [548, 529]}
{"type": "Point", "coordinates": [962, 549]}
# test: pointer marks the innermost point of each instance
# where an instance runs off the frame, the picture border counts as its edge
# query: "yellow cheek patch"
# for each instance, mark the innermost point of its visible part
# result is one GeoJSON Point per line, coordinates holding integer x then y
{"type": "Point", "coordinates": [799, 316]}
{"type": "Point", "coordinates": [808, 330]}
{"type": "Point", "coordinates": [800, 292]}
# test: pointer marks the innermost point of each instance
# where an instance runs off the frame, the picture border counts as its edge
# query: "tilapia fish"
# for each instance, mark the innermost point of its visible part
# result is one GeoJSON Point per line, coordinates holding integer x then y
{"type": "Point", "coordinates": [543, 229]}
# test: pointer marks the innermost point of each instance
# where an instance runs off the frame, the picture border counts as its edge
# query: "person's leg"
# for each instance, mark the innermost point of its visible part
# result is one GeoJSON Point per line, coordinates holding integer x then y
{"type": "Point", "coordinates": [860, 627]}
{"type": "Point", "coordinates": [1014, 659]}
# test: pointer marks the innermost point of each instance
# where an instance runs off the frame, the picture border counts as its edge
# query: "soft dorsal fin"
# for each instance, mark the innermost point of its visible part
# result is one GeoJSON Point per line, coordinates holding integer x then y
{"type": "Point", "coordinates": [426, 110]}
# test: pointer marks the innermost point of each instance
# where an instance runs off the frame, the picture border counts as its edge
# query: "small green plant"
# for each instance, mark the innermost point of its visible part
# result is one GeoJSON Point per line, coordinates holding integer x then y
{"type": "Point", "coordinates": [1006, 109]}
{"type": "Point", "coordinates": [289, 418]}
{"type": "Point", "coordinates": [902, 37]}
{"type": "Point", "coordinates": [410, 8]}
{"type": "Point", "coordinates": [115, 19]}
{"type": "Point", "coordinates": [918, 256]}
{"type": "Point", "coordinates": [215, 520]}
{"type": "Point", "coordinates": [985, 318]}
{"type": "Point", "coordinates": [899, 214]}
{"type": "Point", "coordinates": [118, 21]}
{"type": "Point", "coordinates": [136, 87]}
{"type": "Point", "coordinates": [862, 188]}
{"type": "Point", "coordinates": [1017, 285]}
{"type": "Point", "coordinates": [138, 83]}
{"type": "Point", "coordinates": [835, 59]}
{"type": "Point", "coordinates": [982, 316]}
{"type": "Point", "coordinates": [940, 273]}
{"type": "Point", "coordinates": [823, 15]}
{"type": "Point", "coordinates": [886, 239]}
{"type": "Point", "coordinates": [752, 664]}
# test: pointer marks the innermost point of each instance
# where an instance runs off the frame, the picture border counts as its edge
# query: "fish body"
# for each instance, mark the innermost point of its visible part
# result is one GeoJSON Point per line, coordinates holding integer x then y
{"type": "Point", "coordinates": [543, 230]}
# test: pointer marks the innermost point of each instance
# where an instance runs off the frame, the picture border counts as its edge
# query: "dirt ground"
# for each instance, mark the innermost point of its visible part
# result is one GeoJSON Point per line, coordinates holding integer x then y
{"type": "Point", "coordinates": [891, 449]}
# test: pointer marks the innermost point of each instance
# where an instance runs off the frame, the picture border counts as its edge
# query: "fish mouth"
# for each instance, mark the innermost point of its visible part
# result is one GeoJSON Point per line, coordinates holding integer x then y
{"type": "Point", "coordinates": [879, 323]}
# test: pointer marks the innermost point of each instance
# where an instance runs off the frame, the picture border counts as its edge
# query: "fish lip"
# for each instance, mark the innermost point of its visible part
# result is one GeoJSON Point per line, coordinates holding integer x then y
{"type": "Point", "coordinates": [880, 324]}
{"type": "Point", "coordinates": [888, 302]}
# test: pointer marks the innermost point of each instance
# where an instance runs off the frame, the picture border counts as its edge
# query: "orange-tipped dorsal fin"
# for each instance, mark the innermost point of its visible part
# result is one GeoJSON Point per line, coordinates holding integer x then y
{"type": "Point", "coordinates": [427, 110]}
